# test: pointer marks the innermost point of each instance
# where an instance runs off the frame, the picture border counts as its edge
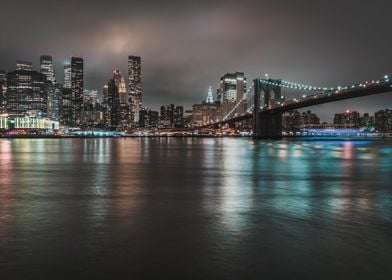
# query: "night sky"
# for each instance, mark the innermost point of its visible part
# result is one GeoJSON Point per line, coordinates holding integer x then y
{"type": "Point", "coordinates": [188, 45]}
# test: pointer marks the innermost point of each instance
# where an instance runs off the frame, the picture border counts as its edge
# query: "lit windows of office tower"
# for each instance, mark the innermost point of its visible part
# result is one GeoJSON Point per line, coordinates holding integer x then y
{"type": "Point", "coordinates": [112, 119]}
{"type": "Point", "coordinates": [77, 87]}
{"type": "Point", "coordinates": [134, 89]}
{"type": "Point", "coordinates": [54, 111]}
{"type": "Point", "coordinates": [46, 68]}
{"type": "Point", "coordinates": [26, 92]}
{"type": "Point", "coordinates": [66, 102]}
{"type": "Point", "coordinates": [67, 76]}
{"type": "Point", "coordinates": [24, 65]}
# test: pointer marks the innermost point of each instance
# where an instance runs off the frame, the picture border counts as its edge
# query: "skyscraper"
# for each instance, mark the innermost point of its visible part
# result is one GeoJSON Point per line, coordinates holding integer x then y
{"type": "Point", "coordinates": [347, 119]}
{"type": "Point", "coordinates": [148, 118]}
{"type": "Point", "coordinates": [26, 93]}
{"type": "Point", "coordinates": [232, 89]}
{"type": "Point", "coordinates": [112, 119]}
{"type": "Point", "coordinates": [55, 103]}
{"type": "Point", "coordinates": [77, 86]}
{"type": "Point", "coordinates": [167, 115]}
{"type": "Point", "coordinates": [122, 99]}
{"type": "Point", "coordinates": [383, 120]}
{"type": "Point", "coordinates": [46, 66]}
{"type": "Point", "coordinates": [66, 102]}
{"type": "Point", "coordinates": [178, 117]}
{"type": "Point", "coordinates": [134, 88]}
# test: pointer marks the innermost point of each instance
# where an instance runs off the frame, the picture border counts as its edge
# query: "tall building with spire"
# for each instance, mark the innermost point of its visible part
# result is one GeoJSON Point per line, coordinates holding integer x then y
{"type": "Point", "coordinates": [123, 108]}
{"type": "Point", "coordinates": [210, 98]}
{"type": "Point", "coordinates": [134, 89]}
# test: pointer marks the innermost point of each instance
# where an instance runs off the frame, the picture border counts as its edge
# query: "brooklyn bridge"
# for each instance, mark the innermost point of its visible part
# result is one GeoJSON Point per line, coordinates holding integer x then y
{"type": "Point", "coordinates": [266, 102]}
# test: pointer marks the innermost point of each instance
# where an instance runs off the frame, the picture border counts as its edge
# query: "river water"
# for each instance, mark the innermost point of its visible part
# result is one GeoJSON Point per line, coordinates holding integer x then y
{"type": "Point", "coordinates": [175, 208]}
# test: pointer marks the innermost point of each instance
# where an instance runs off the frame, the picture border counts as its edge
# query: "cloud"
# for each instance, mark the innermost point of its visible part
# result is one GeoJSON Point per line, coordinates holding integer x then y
{"type": "Point", "coordinates": [188, 45]}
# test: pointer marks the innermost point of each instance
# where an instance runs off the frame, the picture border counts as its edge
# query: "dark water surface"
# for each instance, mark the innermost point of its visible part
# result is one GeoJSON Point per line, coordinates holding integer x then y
{"type": "Point", "coordinates": [195, 209]}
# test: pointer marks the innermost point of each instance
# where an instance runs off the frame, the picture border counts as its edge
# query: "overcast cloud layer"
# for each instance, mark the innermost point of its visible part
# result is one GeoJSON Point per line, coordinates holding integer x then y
{"type": "Point", "coordinates": [188, 45]}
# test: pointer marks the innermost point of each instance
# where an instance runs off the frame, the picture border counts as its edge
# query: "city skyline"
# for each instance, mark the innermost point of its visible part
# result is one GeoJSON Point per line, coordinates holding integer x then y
{"type": "Point", "coordinates": [181, 45]}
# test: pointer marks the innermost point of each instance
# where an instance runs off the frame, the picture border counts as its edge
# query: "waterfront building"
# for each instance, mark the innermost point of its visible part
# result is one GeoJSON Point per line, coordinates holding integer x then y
{"type": "Point", "coordinates": [178, 117]}
{"type": "Point", "coordinates": [148, 118]}
{"type": "Point", "coordinates": [348, 119]}
{"type": "Point", "coordinates": [134, 89]}
{"type": "Point", "coordinates": [205, 113]}
{"type": "Point", "coordinates": [26, 93]}
{"type": "Point", "coordinates": [309, 119]}
{"type": "Point", "coordinates": [167, 115]}
{"type": "Point", "coordinates": [27, 123]}
{"type": "Point", "coordinates": [291, 121]}
{"type": "Point", "coordinates": [295, 121]}
{"type": "Point", "coordinates": [367, 121]}
{"type": "Point", "coordinates": [383, 120]}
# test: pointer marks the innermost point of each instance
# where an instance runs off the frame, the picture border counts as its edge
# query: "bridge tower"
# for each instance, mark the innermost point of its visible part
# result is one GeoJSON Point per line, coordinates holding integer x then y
{"type": "Point", "coordinates": [267, 124]}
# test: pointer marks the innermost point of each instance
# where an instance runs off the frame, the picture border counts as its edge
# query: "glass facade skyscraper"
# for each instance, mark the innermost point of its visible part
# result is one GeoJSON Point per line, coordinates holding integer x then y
{"type": "Point", "coordinates": [66, 100]}
{"type": "Point", "coordinates": [26, 93]}
{"type": "Point", "coordinates": [47, 68]}
{"type": "Point", "coordinates": [134, 89]}
{"type": "Point", "coordinates": [232, 89]}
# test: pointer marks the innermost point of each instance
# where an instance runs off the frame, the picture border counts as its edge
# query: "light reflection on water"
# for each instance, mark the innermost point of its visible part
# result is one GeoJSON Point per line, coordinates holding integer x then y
{"type": "Point", "coordinates": [219, 207]}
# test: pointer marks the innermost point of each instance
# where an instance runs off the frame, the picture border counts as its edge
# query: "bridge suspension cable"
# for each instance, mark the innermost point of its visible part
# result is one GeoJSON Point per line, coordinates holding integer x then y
{"type": "Point", "coordinates": [244, 98]}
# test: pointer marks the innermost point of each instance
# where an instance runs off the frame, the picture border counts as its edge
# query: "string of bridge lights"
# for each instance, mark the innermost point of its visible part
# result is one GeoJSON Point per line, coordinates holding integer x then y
{"type": "Point", "coordinates": [298, 86]}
